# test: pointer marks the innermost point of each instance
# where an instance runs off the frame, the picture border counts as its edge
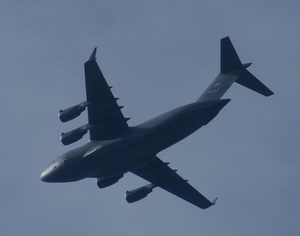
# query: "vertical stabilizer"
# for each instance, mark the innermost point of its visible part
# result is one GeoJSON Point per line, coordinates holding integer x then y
{"type": "Point", "coordinates": [232, 70]}
{"type": "Point", "coordinates": [229, 58]}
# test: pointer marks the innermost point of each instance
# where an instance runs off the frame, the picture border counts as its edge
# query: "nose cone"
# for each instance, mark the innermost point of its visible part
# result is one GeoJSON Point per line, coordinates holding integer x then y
{"type": "Point", "coordinates": [50, 174]}
{"type": "Point", "coordinates": [43, 177]}
{"type": "Point", "coordinates": [46, 176]}
{"type": "Point", "coordinates": [62, 170]}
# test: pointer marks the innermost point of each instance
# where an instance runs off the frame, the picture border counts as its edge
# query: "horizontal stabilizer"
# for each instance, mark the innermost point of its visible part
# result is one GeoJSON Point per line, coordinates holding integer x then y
{"type": "Point", "coordinates": [251, 82]}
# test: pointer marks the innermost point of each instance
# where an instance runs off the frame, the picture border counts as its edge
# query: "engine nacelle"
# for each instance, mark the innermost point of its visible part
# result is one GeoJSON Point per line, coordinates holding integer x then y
{"type": "Point", "coordinates": [74, 135]}
{"type": "Point", "coordinates": [139, 193]}
{"type": "Point", "coordinates": [105, 182]}
{"type": "Point", "coordinates": [72, 112]}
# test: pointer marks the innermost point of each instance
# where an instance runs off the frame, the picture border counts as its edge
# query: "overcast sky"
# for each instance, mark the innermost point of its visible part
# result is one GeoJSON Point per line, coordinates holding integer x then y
{"type": "Point", "coordinates": [157, 55]}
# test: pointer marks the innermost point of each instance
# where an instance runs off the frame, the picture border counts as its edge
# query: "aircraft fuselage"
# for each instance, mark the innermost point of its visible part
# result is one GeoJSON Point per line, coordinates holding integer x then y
{"type": "Point", "coordinates": [133, 149]}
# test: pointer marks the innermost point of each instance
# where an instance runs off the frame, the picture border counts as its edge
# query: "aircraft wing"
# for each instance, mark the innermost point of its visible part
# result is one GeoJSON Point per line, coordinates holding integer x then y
{"type": "Point", "coordinates": [160, 174]}
{"type": "Point", "coordinates": [104, 114]}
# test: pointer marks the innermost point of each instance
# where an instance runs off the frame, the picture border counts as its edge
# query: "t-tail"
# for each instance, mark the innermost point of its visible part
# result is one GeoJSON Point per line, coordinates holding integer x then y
{"type": "Point", "coordinates": [232, 70]}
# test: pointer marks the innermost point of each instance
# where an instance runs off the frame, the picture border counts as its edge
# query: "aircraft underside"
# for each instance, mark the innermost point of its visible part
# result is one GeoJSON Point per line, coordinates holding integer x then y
{"type": "Point", "coordinates": [115, 148]}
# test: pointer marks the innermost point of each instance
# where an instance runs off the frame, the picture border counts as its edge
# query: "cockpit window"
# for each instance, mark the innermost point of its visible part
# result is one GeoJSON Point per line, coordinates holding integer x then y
{"type": "Point", "coordinates": [66, 159]}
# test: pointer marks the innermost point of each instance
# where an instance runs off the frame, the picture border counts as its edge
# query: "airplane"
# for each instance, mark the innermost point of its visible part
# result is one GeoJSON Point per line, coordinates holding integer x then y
{"type": "Point", "coordinates": [115, 148]}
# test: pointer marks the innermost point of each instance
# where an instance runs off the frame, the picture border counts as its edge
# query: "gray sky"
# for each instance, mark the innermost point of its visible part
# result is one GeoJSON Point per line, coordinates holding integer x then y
{"type": "Point", "coordinates": [158, 55]}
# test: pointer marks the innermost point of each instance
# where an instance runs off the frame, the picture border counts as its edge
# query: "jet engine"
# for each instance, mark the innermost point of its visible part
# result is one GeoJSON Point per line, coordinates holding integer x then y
{"type": "Point", "coordinates": [105, 182]}
{"type": "Point", "coordinates": [72, 112]}
{"type": "Point", "coordinates": [74, 135]}
{"type": "Point", "coordinates": [139, 193]}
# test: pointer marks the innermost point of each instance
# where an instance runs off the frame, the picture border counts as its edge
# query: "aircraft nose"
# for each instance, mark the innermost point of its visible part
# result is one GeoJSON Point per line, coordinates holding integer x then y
{"type": "Point", "coordinates": [54, 173]}
{"type": "Point", "coordinates": [44, 176]}
{"type": "Point", "coordinates": [49, 175]}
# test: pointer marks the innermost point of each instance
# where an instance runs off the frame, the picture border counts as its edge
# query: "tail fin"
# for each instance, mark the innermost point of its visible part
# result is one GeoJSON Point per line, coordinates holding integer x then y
{"type": "Point", "coordinates": [229, 59]}
{"type": "Point", "coordinates": [232, 70]}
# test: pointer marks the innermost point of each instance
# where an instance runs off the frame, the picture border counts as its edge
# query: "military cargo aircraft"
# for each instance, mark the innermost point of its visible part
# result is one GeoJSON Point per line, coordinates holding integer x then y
{"type": "Point", "coordinates": [115, 148]}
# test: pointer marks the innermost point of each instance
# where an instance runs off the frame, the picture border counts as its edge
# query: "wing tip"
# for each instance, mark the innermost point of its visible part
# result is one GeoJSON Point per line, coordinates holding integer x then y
{"type": "Point", "coordinates": [93, 55]}
{"type": "Point", "coordinates": [214, 201]}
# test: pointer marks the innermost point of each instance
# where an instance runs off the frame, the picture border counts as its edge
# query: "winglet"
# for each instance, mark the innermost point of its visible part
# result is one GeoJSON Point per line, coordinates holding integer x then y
{"type": "Point", "coordinates": [93, 55]}
{"type": "Point", "coordinates": [214, 201]}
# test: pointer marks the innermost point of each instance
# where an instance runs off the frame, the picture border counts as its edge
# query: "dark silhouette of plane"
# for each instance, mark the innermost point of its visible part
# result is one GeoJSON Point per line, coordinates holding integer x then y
{"type": "Point", "coordinates": [115, 148]}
